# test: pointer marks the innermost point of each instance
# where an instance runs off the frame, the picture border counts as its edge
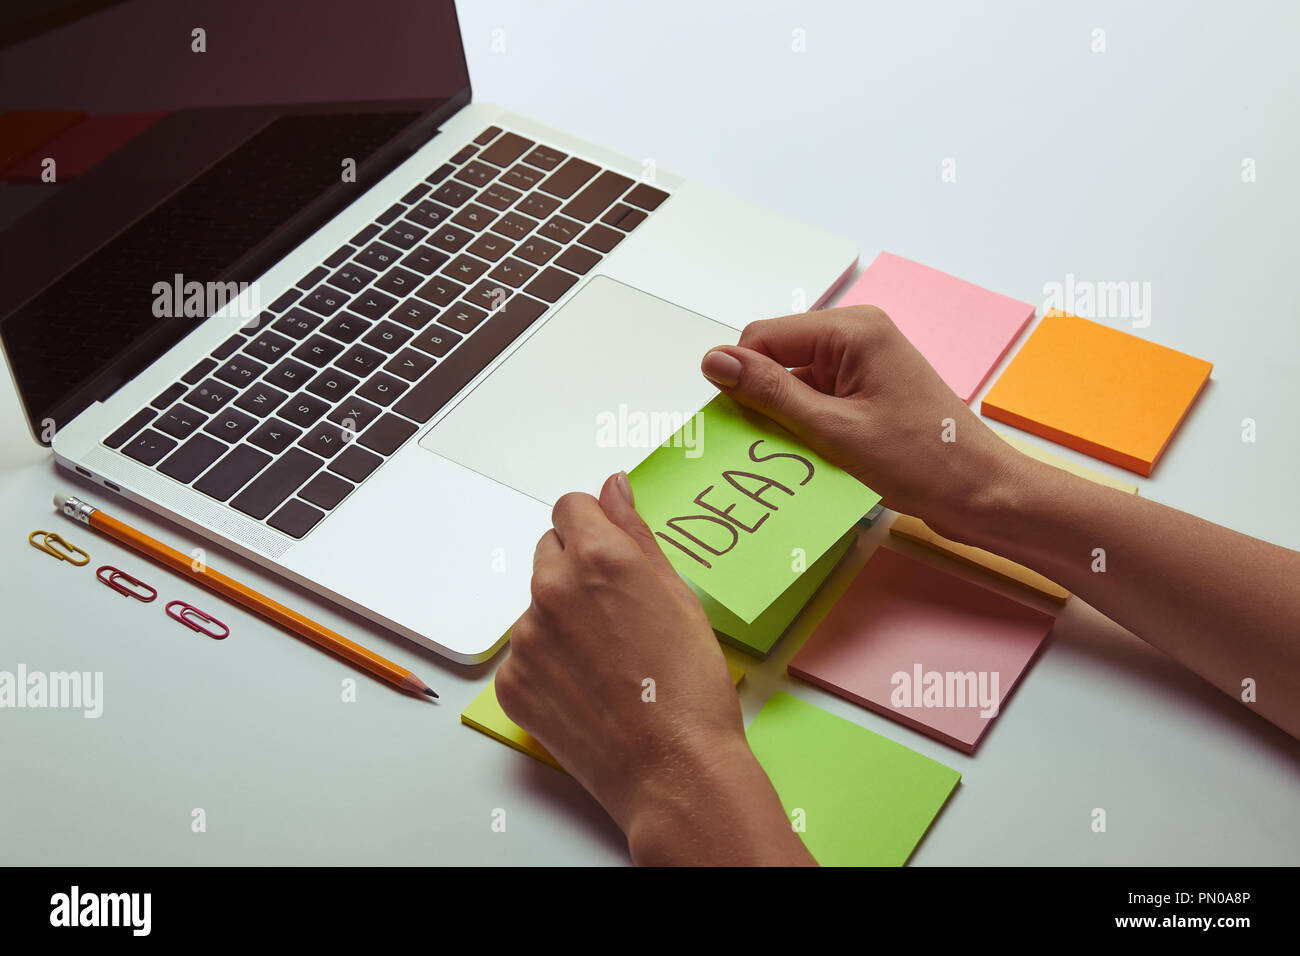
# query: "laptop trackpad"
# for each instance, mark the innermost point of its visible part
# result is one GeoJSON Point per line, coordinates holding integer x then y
{"type": "Point", "coordinates": [601, 384]}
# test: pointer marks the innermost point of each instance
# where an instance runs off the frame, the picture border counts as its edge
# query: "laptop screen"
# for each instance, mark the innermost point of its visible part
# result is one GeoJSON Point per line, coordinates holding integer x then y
{"type": "Point", "coordinates": [152, 143]}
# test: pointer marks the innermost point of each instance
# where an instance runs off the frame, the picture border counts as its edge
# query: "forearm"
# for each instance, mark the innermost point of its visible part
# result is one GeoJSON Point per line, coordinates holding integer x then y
{"type": "Point", "coordinates": [714, 807]}
{"type": "Point", "coordinates": [1224, 604]}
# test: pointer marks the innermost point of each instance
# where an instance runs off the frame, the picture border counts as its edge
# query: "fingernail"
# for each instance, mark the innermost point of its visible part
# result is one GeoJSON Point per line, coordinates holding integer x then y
{"type": "Point", "coordinates": [624, 487]}
{"type": "Point", "coordinates": [721, 368]}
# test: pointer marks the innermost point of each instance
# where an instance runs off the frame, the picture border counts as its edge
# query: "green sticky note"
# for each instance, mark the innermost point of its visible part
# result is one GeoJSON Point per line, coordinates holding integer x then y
{"type": "Point", "coordinates": [865, 800]}
{"type": "Point", "coordinates": [737, 503]}
{"type": "Point", "coordinates": [758, 637]}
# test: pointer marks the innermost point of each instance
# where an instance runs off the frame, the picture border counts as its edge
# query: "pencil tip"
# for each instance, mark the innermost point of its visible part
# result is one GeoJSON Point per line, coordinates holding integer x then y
{"type": "Point", "coordinates": [431, 692]}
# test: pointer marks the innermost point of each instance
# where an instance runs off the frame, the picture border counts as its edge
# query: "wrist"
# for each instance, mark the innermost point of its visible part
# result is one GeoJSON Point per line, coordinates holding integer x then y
{"type": "Point", "coordinates": [713, 805]}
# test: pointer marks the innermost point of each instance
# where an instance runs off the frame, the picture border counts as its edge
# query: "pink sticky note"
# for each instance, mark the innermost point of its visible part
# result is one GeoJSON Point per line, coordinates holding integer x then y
{"type": "Point", "coordinates": [961, 329]}
{"type": "Point", "coordinates": [932, 651]}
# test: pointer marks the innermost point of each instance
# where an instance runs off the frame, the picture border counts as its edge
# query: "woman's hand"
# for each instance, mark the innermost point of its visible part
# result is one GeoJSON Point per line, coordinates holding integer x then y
{"type": "Point", "coordinates": [851, 386]}
{"type": "Point", "coordinates": [615, 670]}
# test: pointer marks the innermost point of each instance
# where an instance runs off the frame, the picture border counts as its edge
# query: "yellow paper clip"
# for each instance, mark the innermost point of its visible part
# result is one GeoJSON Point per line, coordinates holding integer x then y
{"type": "Point", "coordinates": [49, 538]}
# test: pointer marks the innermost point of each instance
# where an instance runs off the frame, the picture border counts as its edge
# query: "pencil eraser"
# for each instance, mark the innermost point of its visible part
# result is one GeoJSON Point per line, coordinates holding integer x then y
{"type": "Point", "coordinates": [60, 499]}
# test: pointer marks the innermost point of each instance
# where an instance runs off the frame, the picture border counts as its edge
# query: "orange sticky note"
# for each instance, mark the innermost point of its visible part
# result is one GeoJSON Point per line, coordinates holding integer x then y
{"type": "Point", "coordinates": [1097, 390]}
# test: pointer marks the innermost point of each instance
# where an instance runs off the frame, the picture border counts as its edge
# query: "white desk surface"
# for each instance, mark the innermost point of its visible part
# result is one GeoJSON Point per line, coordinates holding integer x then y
{"type": "Point", "coordinates": [1122, 165]}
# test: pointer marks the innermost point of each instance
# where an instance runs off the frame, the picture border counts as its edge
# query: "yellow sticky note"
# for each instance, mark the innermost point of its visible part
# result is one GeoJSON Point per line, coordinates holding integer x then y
{"type": "Point", "coordinates": [914, 529]}
{"type": "Point", "coordinates": [484, 714]}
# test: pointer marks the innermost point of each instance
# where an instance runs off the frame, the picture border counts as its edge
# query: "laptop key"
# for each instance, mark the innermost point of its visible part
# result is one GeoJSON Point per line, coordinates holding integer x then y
{"type": "Point", "coordinates": [345, 327]}
{"type": "Point", "coordinates": [490, 247]}
{"type": "Point", "coordinates": [269, 347]}
{"type": "Point", "coordinates": [382, 388]}
{"type": "Point", "coordinates": [373, 304]}
{"type": "Point", "coordinates": [515, 225]}
{"type": "Point", "coordinates": [601, 238]}
{"type": "Point", "coordinates": [340, 255]}
{"type": "Point", "coordinates": [543, 157]}
{"type": "Point", "coordinates": [489, 294]}
{"type": "Point", "coordinates": [230, 425]}
{"type": "Point", "coordinates": [133, 425]}
{"type": "Point", "coordinates": [404, 235]}
{"type": "Point", "coordinates": [597, 196]}
{"type": "Point", "coordinates": [400, 282]}
{"type": "Point", "coordinates": [538, 205]}
{"type": "Point", "coordinates": [327, 439]}
{"type": "Point", "coordinates": [387, 336]}
{"type": "Point", "coordinates": [416, 193]}
{"type": "Point", "coordinates": [453, 193]}
{"type": "Point", "coordinates": [436, 340]}
{"type": "Point", "coordinates": [198, 371]}
{"type": "Point", "coordinates": [241, 370]}
{"type": "Point", "coordinates": [386, 435]}
{"type": "Point", "coordinates": [536, 250]}
{"type": "Point", "coordinates": [351, 278]}
{"type": "Point", "coordinates": [289, 375]}
{"type": "Point", "coordinates": [232, 472]}
{"type": "Point", "coordinates": [425, 398]}
{"type": "Point", "coordinates": [577, 259]}
{"type": "Point", "coordinates": [569, 178]}
{"type": "Point", "coordinates": [378, 256]}
{"type": "Point", "coordinates": [303, 409]}
{"type": "Point", "coordinates": [463, 318]}
{"type": "Point", "coordinates": [474, 217]}
{"type": "Point", "coordinates": [477, 174]}
{"type": "Point", "coordinates": [498, 197]}
{"type": "Point", "coordinates": [297, 324]}
{"type": "Point", "coordinates": [561, 229]}
{"type": "Point", "coordinates": [332, 384]}
{"type": "Point", "coordinates": [275, 435]}
{"type": "Point", "coordinates": [268, 490]}
{"type": "Point", "coordinates": [440, 291]}
{"type": "Point", "coordinates": [513, 272]}
{"type": "Point", "coordinates": [389, 216]}
{"type": "Point", "coordinates": [355, 463]}
{"type": "Point", "coordinates": [522, 177]}
{"type": "Point", "coordinates": [489, 134]}
{"type": "Point", "coordinates": [317, 350]}
{"type": "Point", "coordinates": [355, 414]}
{"type": "Point", "coordinates": [408, 364]}
{"type": "Point", "coordinates": [465, 268]}
{"type": "Point", "coordinates": [326, 490]}
{"type": "Point", "coordinates": [450, 239]}
{"type": "Point", "coordinates": [439, 174]}
{"type": "Point", "coordinates": [505, 150]}
{"type": "Point", "coordinates": [365, 235]}
{"type": "Point", "coordinates": [360, 360]}
{"type": "Point", "coordinates": [414, 314]}
{"type": "Point", "coordinates": [285, 300]}
{"type": "Point", "coordinates": [261, 399]}
{"type": "Point", "coordinates": [296, 518]}
{"type": "Point", "coordinates": [312, 279]}
{"type": "Point", "coordinates": [227, 348]}
{"type": "Point", "coordinates": [210, 396]}
{"type": "Point", "coordinates": [624, 217]}
{"type": "Point", "coordinates": [193, 458]}
{"type": "Point", "coordinates": [465, 153]}
{"type": "Point", "coordinates": [325, 301]}
{"type": "Point", "coordinates": [647, 197]}
{"type": "Point", "coordinates": [149, 446]}
{"type": "Point", "coordinates": [180, 421]}
{"type": "Point", "coordinates": [424, 260]}
{"type": "Point", "coordinates": [551, 284]}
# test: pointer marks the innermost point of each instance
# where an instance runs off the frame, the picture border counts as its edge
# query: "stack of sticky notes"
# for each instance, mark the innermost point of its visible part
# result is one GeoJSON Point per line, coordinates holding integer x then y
{"type": "Point", "coordinates": [1097, 390]}
{"type": "Point", "coordinates": [930, 650]}
{"type": "Point", "coordinates": [914, 529]}
{"type": "Point", "coordinates": [962, 330]}
{"type": "Point", "coordinates": [854, 797]}
{"type": "Point", "coordinates": [748, 515]}
{"type": "Point", "coordinates": [484, 714]}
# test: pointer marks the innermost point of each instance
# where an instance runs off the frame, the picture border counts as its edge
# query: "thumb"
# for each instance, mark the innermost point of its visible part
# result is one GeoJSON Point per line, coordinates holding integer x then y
{"type": "Point", "coordinates": [765, 386]}
{"type": "Point", "coordinates": [616, 501]}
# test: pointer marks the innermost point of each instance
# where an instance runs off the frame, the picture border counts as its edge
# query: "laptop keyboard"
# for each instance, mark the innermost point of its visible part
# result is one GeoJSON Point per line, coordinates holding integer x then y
{"type": "Point", "coordinates": [286, 417]}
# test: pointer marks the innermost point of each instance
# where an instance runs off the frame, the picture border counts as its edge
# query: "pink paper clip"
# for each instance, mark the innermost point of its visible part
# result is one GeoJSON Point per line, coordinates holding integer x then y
{"type": "Point", "coordinates": [123, 583]}
{"type": "Point", "coordinates": [189, 613]}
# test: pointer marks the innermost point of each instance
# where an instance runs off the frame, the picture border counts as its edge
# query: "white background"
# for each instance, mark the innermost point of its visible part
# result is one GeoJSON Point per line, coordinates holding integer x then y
{"type": "Point", "coordinates": [1114, 166]}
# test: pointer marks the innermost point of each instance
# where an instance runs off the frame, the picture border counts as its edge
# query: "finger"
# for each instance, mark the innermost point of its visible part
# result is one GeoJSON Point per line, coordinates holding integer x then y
{"type": "Point", "coordinates": [548, 548]}
{"type": "Point", "coordinates": [792, 340]}
{"type": "Point", "coordinates": [575, 515]}
{"type": "Point", "coordinates": [766, 386]}
{"type": "Point", "coordinates": [617, 501]}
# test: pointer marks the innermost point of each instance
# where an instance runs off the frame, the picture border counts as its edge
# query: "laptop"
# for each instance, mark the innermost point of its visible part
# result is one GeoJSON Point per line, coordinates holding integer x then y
{"type": "Point", "coordinates": [271, 272]}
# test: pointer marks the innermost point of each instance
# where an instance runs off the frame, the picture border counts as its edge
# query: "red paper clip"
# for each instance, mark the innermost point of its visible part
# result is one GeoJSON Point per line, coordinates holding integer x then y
{"type": "Point", "coordinates": [189, 610]}
{"type": "Point", "coordinates": [122, 583]}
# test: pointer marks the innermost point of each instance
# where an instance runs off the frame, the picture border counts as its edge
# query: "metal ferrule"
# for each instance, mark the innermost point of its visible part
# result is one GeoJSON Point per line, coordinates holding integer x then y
{"type": "Point", "coordinates": [78, 510]}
